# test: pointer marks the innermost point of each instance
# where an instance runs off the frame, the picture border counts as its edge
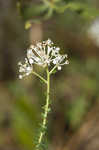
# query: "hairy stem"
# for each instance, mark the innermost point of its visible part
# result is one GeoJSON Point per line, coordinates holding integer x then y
{"type": "Point", "coordinates": [46, 110]}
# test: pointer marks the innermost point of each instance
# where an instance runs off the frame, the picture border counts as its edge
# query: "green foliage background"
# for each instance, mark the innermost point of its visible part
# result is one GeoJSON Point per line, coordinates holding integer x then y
{"type": "Point", "coordinates": [74, 90]}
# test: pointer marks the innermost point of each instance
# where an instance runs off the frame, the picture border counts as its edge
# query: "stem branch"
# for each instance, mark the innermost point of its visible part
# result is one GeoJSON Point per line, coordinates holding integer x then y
{"type": "Point", "coordinates": [40, 77]}
{"type": "Point", "coordinates": [53, 69]}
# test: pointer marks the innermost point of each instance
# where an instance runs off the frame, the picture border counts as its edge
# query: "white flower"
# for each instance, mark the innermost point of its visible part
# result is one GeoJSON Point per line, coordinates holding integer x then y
{"type": "Point", "coordinates": [20, 77]}
{"type": "Point", "coordinates": [43, 54]}
{"type": "Point", "coordinates": [25, 69]}
{"type": "Point", "coordinates": [31, 61]}
{"type": "Point", "coordinates": [59, 67]}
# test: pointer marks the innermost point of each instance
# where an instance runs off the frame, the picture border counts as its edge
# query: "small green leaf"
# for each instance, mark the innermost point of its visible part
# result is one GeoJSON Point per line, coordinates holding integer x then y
{"type": "Point", "coordinates": [28, 25]}
{"type": "Point", "coordinates": [34, 11]}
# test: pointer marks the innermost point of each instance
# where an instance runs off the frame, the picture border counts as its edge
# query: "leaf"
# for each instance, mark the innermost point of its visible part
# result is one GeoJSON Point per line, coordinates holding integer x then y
{"type": "Point", "coordinates": [34, 11]}
{"type": "Point", "coordinates": [85, 10]}
{"type": "Point", "coordinates": [28, 25]}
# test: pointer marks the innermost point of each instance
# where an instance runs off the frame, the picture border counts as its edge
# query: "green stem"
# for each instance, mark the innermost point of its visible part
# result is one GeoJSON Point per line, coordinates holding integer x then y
{"type": "Point", "coordinates": [53, 69]}
{"type": "Point", "coordinates": [40, 77]}
{"type": "Point", "coordinates": [46, 110]}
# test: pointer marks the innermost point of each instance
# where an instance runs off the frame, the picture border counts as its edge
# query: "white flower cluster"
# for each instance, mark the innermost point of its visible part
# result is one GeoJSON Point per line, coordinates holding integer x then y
{"type": "Point", "coordinates": [25, 69]}
{"type": "Point", "coordinates": [43, 54]}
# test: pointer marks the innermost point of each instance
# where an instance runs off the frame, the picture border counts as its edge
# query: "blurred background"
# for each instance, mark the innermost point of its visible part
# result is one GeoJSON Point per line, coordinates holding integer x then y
{"type": "Point", "coordinates": [73, 123]}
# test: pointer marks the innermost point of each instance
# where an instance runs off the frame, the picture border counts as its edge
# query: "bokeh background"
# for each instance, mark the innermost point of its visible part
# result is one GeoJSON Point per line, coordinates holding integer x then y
{"type": "Point", "coordinates": [73, 123]}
